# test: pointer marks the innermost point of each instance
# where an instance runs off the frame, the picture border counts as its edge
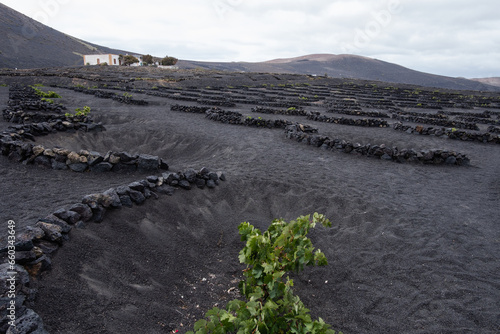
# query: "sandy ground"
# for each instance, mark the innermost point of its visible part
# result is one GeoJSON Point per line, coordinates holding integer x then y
{"type": "Point", "coordinates": [413, 248]}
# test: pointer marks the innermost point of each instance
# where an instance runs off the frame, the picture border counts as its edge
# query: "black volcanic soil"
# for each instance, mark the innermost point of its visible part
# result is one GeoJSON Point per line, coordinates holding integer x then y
{"type": "Point", "coordinates": [413, 248]}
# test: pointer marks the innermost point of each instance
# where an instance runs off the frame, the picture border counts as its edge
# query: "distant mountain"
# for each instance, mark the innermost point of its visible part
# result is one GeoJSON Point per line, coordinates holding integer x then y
{"type": "Point", "coordinates": [495, 81]}
{"type": "Point", "coordinates": [26, 43]}
{"type": "Point", "coordinates": [346, 66]}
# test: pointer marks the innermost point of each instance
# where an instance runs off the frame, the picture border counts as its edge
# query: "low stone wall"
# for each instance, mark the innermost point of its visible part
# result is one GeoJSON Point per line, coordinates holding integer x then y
{"type": "Point", "coordinates": [450, 133]}
{"type": "Point", "coordinates": [190, 109]}
{"type": "Point", "coordinates": [435, 157]}
{"type": "Point", "coordinates": [480, 120]}
{"type": "Point", "coordinates": [436, 121]}
{"type": "Point", "coordinates": [25, 98]}
{"type": "Point", "coordinates": [105, 95]}
{"type": "Point", "coordinates": [223, 116]}
{"type": "Point", "coordinates": [36, 244]}
{"type": "Point", "coordinates": [357, 112]}
{"type": "Point", "coordinates": [214, 102]}
{"type": "Point", "coordinates": [36, 105]}
{"type": "Point", "coordinates": [232, 117]}
{"type": "Point", "coordinates": [289, 111]}
{"type": "Point", "coordinates": [484, 114]}
{"type": "Point", "coordinates": [32, 130]}
{"type": "Point", "coordinates": [316, 116]}
{"type": "Point", "coordinates": [493, 129]}
{"type": "Point", "coordinates": [82, 161]}
{"type": "Point", "coordinates": [25, 105]}
{"type": "Point", "coordinates": [21, 116]}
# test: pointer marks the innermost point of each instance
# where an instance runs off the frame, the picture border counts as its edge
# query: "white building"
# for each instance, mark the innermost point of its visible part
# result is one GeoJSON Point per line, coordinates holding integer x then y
{"type": "Point", "coordinates": [140, 63]}
{"type": "Point", "coordinates": [109, 59]}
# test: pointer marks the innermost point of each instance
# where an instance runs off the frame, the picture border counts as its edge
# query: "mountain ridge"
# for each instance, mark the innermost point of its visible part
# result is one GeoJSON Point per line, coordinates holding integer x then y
{"type": "Point", "coordinates": [26, 43]}
{"type": "Point", "coordinates": [346, 66]}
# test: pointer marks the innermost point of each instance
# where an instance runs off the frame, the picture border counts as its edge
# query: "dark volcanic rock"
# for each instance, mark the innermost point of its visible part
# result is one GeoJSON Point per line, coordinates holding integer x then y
{"type": "Point", "coordinates": [78, 167]}
{"type": "Point", "coordinates": [200, 183]}
{"type": "Point", "coordinates": [43, 161]}
{"type": "Point", "coordinates": [52, 231]}
{"type": "Point", "coordinates": [94, 158]}
{"type": "Point", "coordinates": [58, 165]}
{"type": "Point", "coordinates": [185, 184]}
{"type": "Point", "coordinates": [123, 190]}
{"type": "Point", "coordinates": [137, 197]}
{"type": "Point", "coordinates": [83, 210]}
{"type": "Point", "coordinates": [28, 323]}
{"type": "Point", "coordinates": [126, 201]}
{"type": "Point", "coordinates": [148, 162]}
{"type": "Point", "coordinates": [123, 167]}
{"type": "Point", "coordinates": [190, 175]}
{"type": "Point", "coordinates": [126, 157]}
{"type": "Point", "coordinates": [69, 216]}
{"type": "Point", "coordinates": [99, 213]}
{"type": "Point", "coordinates": [211, 184]}
{"type": "Point", "coordinates": [115, 199]}
{"type": "Point", "coordinates": [138, 186]}
{"type": "Point", "coordinates": [101, 167]}
{"type": "Point", "coordinates": [165, 189]}
{"type": "Point", "coordinates": [52, 219]}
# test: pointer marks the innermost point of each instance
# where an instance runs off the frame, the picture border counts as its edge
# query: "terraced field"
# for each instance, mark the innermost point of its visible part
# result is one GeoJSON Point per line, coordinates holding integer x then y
{"type": "Point", "coordinates": [126, 216]}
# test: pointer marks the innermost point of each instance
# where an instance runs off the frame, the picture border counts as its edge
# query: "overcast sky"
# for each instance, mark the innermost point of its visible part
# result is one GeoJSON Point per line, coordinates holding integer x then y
{"type": "Point", "coordinates": [459, 38]}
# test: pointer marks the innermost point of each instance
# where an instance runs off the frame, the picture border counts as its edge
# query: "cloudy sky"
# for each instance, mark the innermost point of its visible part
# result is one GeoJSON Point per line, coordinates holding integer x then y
{"type": "Point", "coordinates": [459, 38]}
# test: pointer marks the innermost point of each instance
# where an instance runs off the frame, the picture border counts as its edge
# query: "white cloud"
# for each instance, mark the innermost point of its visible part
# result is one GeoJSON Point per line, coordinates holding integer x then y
{"type": "Point", "coordinates": [456, 38]}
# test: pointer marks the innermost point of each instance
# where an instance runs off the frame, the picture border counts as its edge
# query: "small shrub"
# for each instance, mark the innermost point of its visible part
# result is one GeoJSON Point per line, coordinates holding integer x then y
{"type": "Point", "coordinates": [47, 100]}
{"type": "Point", "coordinates": [169, 61]}
{"type": "Point", "coordinates": [49, 94]}
{"type": "Point", "coordinates": [79, 112]}
{"type": "Point", "coordinates": [270, 305]}
{"type": "Point", "coordinates": [84, 112]}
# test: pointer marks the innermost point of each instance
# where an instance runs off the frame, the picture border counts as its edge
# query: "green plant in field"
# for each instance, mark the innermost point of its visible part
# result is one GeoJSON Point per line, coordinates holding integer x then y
{"type": "Point", "coordinates": [270, 305]}
{"type": "Point", "coordinates": [292, 109]}
{"type": "Point", "coordinates": [3, 85]}
{"type": "Point", "coordinates": [49, 94]}
{"type": "Point", "coordinates": [47, 100]}
{"type": "Point", "coordinates": [127, 95]}
{"type": "Point", "coordinates": [79, 112]}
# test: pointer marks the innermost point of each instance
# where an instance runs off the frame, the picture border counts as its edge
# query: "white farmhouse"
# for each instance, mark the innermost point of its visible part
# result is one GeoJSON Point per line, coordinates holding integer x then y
{"type": "Point", "coordinates": [109, 59]}
{"type": "Point", "coordinates": [140, 63]}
